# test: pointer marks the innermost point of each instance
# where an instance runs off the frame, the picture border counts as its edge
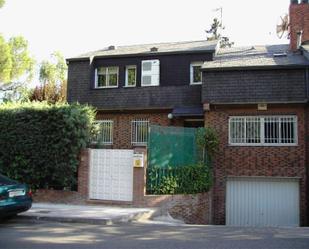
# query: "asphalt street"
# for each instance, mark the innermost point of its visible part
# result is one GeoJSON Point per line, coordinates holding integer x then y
{"type": "Point", "coordinates": [24, 234]}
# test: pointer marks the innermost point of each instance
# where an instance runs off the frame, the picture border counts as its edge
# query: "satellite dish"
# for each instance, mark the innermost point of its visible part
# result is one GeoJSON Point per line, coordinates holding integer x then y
{"type": "Point", "coordinates": [283, 24]}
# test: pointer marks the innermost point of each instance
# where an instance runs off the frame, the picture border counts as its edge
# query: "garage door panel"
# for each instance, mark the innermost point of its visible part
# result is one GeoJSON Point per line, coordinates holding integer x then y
{"type": "Point", "coordinates": [111, 175]}
{"type": "Point", "coordinates": [262, 202]}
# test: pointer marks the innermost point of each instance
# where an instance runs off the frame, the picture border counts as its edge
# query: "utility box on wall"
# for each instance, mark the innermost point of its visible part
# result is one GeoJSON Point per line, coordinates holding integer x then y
{"type": "Point", "coordinates": [138, 160]}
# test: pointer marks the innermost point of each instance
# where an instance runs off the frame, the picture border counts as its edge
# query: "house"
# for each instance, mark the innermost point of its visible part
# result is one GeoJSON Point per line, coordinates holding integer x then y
{"type": "Point", "coordinates": [255, 97]}
{"type": "Point", "coordinates": [134, 85]}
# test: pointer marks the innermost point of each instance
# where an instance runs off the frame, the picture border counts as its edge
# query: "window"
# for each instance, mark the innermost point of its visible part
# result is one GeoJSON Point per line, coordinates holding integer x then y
{"type": "Point", "coordinates": [104, 132]}
{"type": "Point", "coordinates": [139, 132]}
{"type": "Point", "coordinates": [130, 76]}
{"type": "Point", "coordinates": [267, 130]}
{"type": "Point", "coordinates": [150, 73]}
{"type": "Point", "coordinates": [106, 77]}
{"type": "Point", "coordinates": [195, 73]}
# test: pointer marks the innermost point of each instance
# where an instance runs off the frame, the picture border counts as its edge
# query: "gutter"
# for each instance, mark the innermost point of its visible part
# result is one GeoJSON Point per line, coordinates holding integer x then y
{"type": "Point", "coordinates": [143, 54]}
{"type": "Point", "coordinates": [258, 102]}
{"type": "Point", "coordinates": [220, 69]}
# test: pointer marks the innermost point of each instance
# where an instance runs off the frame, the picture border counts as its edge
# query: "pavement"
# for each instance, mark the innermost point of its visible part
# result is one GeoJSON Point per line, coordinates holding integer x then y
{"type": "Point", "coordinates": [90, 214]}
{"type": "Point", "coordinates": [35, 234]}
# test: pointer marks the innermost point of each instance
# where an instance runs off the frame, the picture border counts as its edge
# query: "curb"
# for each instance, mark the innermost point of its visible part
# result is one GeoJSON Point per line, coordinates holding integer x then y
{"type": "Point", "coordinates": [94, 221]}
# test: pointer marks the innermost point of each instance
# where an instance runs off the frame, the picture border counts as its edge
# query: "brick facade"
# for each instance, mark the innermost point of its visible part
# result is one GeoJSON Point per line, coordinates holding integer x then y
{"type": "Point", "coordinates": [271, 161]}
{"type": "Point", "coordinates": [122, 125]}
{"type": "Point", "coordinates": [192, 209]}
{"type": "Point", "coordinates": [299, 21]}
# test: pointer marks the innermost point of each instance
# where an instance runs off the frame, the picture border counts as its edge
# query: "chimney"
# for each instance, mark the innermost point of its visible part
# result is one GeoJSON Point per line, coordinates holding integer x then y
{"type": "Point", "coordinates": [299, 23]}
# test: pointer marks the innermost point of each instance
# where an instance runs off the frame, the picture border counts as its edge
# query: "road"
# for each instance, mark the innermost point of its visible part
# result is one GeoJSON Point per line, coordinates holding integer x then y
{"type": "Point", "coordinates": [22, 234]}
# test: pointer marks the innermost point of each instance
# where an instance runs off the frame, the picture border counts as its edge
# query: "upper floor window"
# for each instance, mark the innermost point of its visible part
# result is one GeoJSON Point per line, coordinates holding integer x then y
{"type": "Point", "coordinates": [130, 76]}
{"type": "Point", "coordinates": [263, 130]}
{"type": "Point", "coordinates": [104, 132]}
{"type": "Point", "coordinates": [195, 73]}
{"type": "Point", "coordinates": [106, 77]}
{"type": "Point", "coordinates": [139, 132]}
{"type": "Point", "coordinates": [150, 73]}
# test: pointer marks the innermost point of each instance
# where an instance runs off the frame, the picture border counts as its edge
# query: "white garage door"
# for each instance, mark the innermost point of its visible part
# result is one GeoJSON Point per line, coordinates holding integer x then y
{"type": "Point", "coordinates": [262, 202]}
{"type": "Point", "coordinates": [111, 175]}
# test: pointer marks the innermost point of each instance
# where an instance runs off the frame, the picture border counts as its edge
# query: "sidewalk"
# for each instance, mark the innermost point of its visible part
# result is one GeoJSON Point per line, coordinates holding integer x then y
{"type": "Point", "coordinates": [106, 215]}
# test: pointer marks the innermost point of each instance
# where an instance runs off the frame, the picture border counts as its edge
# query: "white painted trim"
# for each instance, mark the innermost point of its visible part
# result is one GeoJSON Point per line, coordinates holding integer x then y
{"type": "Point", "coordinates": [110, 123]}
{"type": "Point", "coordinates": [150, 73]}
{"type": "Point", "coordinates": [127, 75]}
{"type": "Point", "coordinates": [107, 78]}
{"type": "Point", "coordinates": [263, 144]}
{"type": "Point", "coordinates": [195, 63]}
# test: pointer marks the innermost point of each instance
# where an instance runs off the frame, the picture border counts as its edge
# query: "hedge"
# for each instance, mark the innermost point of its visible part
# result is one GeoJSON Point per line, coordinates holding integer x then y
{"type": "Point", "coordinates": [190, 179]}
{"type": "Point", "coordinates": [40, 143]}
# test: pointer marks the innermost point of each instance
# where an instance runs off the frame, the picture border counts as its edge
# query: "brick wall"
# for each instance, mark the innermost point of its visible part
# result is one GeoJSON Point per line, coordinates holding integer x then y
{"type": "Point", "coordinates": [59, 196]}
{"type": "Point", "coordinates": [299, 20]}
{"type": "Point", "coordinates": [192, 209]}
{"type": "Point", "coordinates": [122, 125]}
{"type": "Point", "coordinates": [288, 161]}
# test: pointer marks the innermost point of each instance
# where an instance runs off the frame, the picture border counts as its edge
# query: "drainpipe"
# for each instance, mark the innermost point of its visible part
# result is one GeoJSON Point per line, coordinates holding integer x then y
{"type": "Point", "coordinates": [307, 141]}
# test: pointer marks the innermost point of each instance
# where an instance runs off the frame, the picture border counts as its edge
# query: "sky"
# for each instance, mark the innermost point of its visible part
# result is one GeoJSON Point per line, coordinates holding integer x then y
{"type": "Point", "coordinates": [76, 26]}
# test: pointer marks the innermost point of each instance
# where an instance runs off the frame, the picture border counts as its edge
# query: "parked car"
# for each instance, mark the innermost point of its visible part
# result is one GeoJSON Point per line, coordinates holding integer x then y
{"type": "Point", "coordinates": [15, 197]}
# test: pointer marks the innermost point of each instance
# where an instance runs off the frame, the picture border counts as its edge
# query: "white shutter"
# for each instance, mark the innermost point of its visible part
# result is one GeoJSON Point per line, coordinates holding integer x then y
{"type": "Point", "coordinates": [150, 73]}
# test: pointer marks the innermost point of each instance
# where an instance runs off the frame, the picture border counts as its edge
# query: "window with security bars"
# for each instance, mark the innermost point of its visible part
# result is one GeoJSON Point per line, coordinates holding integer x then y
{"type": "Point", "coordinates": [104, 132]}
{"type": "Point", "coordinates": [139, 132]}
{"type": "Point", "coordinates": [266, 130]}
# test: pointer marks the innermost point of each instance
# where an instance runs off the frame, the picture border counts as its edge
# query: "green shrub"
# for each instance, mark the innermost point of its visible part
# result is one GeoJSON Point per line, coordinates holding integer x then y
{"type": "Point", "coordinates": [168, 185]}
{"type": "Point", "coordinates": [190, 179]}
{"type": "Point", "coordinates": [40, 143]}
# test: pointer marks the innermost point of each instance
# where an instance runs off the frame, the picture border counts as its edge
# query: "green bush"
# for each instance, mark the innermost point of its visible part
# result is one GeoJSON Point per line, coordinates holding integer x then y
{"type": "Point", "coordinates": [190, 179]}
{"type": "Point", "coordinates": [40, 143]}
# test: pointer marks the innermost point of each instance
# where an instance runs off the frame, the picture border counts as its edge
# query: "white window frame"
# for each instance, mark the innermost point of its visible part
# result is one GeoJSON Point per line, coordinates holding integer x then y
{"type": "Point", "coordinates": [108, 123]}
{"type": "Point", "coordinates": [262, 129]}
{"type": "Point", "coordinates": [150, 74]}
{"type": "Point", "coordinates": [196, 63]}
{"type": "Point", "coordinates": [136, 139]}
{"type": "Point", "coordinates": [107, 77]}
{"type": "Point", "coordinates": [127, 75]}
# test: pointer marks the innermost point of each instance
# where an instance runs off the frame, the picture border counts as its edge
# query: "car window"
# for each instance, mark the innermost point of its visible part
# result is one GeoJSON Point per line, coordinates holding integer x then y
{"type": "Point", "coordinates": [4, 180]}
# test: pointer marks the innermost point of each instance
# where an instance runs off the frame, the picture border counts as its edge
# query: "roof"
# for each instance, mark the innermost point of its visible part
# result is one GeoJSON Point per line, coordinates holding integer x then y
{"type": "Point", "coordinates": [255, 57]}
{"type": "Point", "coordinates": [305, 49]}
{"type": "Point", "coordinates": [185, 111]}
{"type": "Point", "coordinates": [144, 49]}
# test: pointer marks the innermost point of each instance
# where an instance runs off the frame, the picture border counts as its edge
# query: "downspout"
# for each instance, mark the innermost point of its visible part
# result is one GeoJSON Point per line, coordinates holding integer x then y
{"type": "Point", "coordinates": [307, 141]}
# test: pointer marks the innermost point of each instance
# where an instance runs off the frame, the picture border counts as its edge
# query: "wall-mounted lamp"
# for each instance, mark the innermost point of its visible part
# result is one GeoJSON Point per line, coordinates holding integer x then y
{"type": "Point", "coordinates": [170, 116]}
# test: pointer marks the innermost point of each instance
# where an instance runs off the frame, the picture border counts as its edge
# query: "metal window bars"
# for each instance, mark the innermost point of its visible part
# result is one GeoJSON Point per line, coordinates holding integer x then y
{"type": "Point", "coordinates": [105, 133]}
{"type": "Point", "coordinates": [268, 130]}
{"type": "Point", "coordinates": [139, 132]}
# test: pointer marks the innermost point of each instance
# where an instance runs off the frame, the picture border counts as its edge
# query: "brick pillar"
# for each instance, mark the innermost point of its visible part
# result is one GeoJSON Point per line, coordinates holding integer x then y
{"type": "Point", "coordinates": [139, 179]}
{"type": "Point", "coordinates": [83, 173]}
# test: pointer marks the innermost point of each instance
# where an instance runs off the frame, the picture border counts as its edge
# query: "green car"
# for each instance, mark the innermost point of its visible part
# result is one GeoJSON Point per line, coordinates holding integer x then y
{"type": "Point", "coordinates": [14, 197]}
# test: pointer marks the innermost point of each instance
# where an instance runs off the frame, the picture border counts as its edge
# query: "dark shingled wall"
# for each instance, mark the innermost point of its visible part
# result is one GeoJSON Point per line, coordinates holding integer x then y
{"type": "Point", "coordinates": [254, 86]}
{"type": "Point", "coordinates": [174, 89]}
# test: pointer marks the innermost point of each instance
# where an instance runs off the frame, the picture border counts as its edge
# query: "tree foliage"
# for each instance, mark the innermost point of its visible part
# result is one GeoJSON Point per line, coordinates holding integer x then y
{"type": "Point", "coordinates": [15, 62]}
{"type": "Point", "coordinates": [40, 143]}
{"type": "Point", "coordinates": [214, 34]}
{"type": "Point", "coordinates": [53, 80]}
{"type": "Point", "coordinates": [2, 2]}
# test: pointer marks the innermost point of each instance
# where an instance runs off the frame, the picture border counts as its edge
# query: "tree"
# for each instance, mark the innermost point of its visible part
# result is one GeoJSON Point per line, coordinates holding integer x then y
{"type": "Point", "coordinates": [16, 64]}
{"type": "Point", "coordinates": [53, 80]}
{"type": "Point", "coordinates": [2, 2]}
{"type": "Point", "coordinates": [214, 33]}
